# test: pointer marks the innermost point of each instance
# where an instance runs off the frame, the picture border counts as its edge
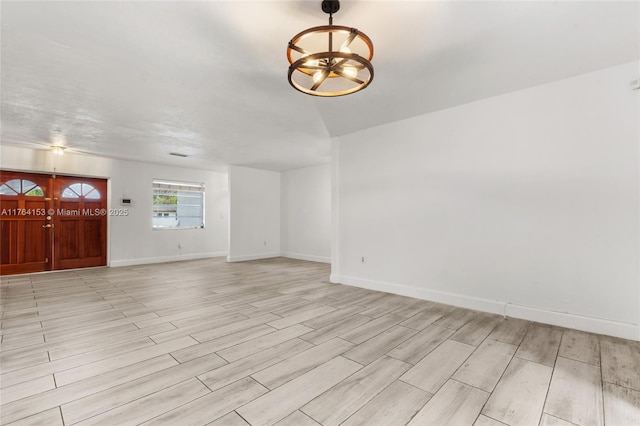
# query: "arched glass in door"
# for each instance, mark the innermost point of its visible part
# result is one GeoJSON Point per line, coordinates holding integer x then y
{"type": "Point", "coordinates": [21, 187]}
{"type": "Point", "coordinates": [81, 190]}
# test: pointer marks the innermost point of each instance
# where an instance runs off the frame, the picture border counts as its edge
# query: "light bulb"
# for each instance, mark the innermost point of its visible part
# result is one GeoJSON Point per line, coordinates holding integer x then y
{"type": "Point", "coordinates": [345, 50]}
{"type": "Point", "coordinates": [350, 71]}
{"type": "Point", "coordinates": [317, 76]}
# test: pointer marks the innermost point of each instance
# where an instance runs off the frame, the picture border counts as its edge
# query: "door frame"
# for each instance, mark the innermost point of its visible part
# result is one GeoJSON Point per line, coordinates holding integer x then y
{"type": "Point", "coordinates": [53, 261]}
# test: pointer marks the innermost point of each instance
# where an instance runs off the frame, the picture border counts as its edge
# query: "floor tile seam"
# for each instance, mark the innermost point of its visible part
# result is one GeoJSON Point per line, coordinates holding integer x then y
{"type": "Point", "coordinates": [377, 335]}
{"type": "Point", "coordinates": [356, 411]}
{"type": "Point", "coordinates": [79, 382]}
{"type": "Point", "coordinates": [133, 400]}
{"type": "Point", "coordinates": [470, 385]}
{"type": "Point", "coordinates": [620, 386]}
{"type": "Point", "coordinates": [256, 353]}
{"type": "Point", "coordinates": [578, 360]}
{"type": "Point", "coordinates": [499, 378]}
{"type": "Point", "coordinates": [553, 367]}
{"type": "Point", "coordinates": [560, 418]}
{"type": "Point", "coordinates": [48, 346]}
{"type": "Point", "coordinates": [38, 317]}
{"type": "Point", "coordinates": [239, 343]}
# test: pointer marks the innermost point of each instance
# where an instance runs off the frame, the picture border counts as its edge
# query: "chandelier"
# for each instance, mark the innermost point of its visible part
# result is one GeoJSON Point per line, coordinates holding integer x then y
{"type": "Point", "coordinates": [330, 60]}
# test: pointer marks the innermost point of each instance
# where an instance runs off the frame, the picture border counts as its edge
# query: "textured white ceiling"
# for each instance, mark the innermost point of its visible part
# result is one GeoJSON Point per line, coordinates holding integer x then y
{"type": "Point", "coordinates": [138, 80]}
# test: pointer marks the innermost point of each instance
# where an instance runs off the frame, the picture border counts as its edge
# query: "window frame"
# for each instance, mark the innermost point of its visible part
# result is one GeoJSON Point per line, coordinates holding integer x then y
{"type": "Point", "coordinates": [177, 186]}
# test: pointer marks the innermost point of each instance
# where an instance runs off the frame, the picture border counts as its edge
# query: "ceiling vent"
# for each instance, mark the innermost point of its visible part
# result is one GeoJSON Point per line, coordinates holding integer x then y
{"type": "Point", "coordinates": [178, 154]}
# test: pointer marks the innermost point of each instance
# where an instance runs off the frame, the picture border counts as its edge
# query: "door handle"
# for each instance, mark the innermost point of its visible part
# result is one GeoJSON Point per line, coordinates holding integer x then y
{"type": "Point", "coordinates": [48, 225]}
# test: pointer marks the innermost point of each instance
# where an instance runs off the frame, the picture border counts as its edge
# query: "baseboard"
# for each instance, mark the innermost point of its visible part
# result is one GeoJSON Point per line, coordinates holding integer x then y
{"type": "Point", "coordinates": [308, 257]}
{"type": "Point", "coordinates": [164, 259]}
{"type": "Point", "coordinates": [252, 257]}
{"type": "Point", "coordinates": [561, 319]}
{"type": "Point", "coordinates": [578, 322]}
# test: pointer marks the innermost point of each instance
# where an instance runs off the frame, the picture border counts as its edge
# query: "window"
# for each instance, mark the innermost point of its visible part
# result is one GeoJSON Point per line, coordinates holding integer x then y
{"type": "Point", "coordinates": [21, 186]}
{"type": "Point", "coordinates": [78, 190]}
{"type": "Point", "coordinates": [177, 205]}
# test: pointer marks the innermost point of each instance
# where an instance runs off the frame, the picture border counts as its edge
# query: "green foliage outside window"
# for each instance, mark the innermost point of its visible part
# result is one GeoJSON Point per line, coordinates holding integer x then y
{"type": "Point", "coordinates": [165, 199]}
{"type": "Point", "coordinates": [35, 192]}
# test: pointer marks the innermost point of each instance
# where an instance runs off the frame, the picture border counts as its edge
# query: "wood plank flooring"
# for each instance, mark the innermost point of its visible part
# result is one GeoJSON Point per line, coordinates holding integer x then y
{"type": "Point", "coordinates": [272, 342]}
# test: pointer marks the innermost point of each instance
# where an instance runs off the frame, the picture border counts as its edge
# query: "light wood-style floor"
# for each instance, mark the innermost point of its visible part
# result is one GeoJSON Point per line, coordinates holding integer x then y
{"type": "Point", "coordinates": [273, 342]}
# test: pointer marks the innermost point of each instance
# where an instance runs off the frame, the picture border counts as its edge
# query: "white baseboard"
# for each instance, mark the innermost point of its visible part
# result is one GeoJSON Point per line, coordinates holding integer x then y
{"type": "Point", "coordinates": [163, 259]}
{"type": "Point", "coordinates": [578, 322]}
{"type": "Point", "coordinates": [308, 257]}
{"type": "Point", "coordinates": [561, 319]}
{"type": "Point", "coordinates": [252, 257]}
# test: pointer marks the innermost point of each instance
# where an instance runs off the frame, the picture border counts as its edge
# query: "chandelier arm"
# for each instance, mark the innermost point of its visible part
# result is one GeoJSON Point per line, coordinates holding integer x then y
{"type": "Point", "coordinates": [298, 49]}
{"type": "Point", "coordinates": [313, 67]}
{"type": "Point", "coordinates": [338, 63]}
{"type": "Point", "coordinates": [357, 66]}
{"type": "Point", "coordinates": [349, 39]}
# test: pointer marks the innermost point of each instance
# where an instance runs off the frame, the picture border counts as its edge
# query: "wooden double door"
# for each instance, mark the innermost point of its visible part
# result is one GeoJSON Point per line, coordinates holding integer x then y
{"type": "Point", "coordinates": [50, 222]}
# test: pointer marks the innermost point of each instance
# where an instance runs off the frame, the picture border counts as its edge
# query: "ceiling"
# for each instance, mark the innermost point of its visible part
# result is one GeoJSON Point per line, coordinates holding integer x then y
{"type": "Point", "coordinates": [139, 80]}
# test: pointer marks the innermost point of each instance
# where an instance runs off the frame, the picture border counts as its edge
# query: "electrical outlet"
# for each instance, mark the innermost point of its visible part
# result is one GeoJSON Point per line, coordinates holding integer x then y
{"type": "Point", "coordinates": [179, 245]}
{"type": "Point", "coordinates": [265, 243]}
{"type": "Point", "coordinates": [362, 260]}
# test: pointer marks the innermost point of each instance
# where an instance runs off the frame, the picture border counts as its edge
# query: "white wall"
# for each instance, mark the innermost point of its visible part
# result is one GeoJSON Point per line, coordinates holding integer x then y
{"type": "Point", "coordinates": [131, 238]}
{"type": "Point", "coordinates": [306, 213]}
{"type": "Point", "coordinates": [254, 226]}
{"type": "Point", "coordinates": [529, 199]}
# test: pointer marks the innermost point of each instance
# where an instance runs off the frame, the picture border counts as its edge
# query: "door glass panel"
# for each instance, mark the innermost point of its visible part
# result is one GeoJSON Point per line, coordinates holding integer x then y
{"type": "Point", "coordinates": [11, 187]}
{"type": "Point", "coordinates": [21, 186]}
{"type": "Point", "coordinates": [78, 190]}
